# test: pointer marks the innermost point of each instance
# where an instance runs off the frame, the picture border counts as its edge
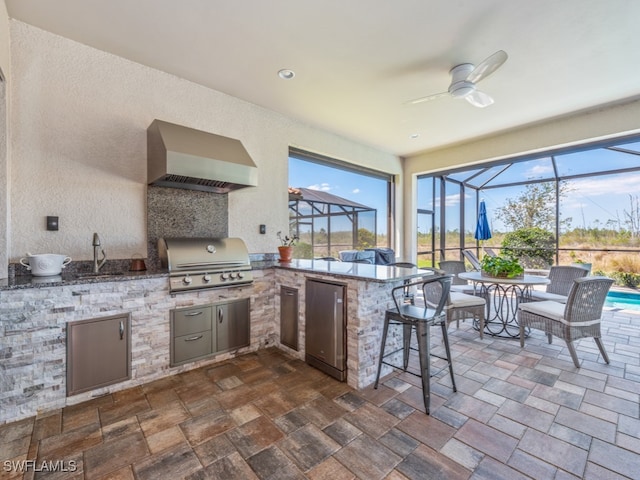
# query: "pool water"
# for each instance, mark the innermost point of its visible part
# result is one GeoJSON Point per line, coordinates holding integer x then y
{"type": "Point", "coordinates": [624, 300]}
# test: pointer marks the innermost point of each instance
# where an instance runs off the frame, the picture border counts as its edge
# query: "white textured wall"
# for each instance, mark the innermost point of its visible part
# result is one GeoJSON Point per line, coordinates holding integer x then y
{"type": "Point", "coordinates": [598, 124]}
{"type": "Point", "coordinates": [78, 140]}
{"type": "Point", "coordinates": [5, 65]}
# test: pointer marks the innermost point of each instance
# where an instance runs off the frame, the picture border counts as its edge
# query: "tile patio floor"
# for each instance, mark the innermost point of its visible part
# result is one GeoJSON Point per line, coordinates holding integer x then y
{"type": "Point", "coordinates": [518, 413]}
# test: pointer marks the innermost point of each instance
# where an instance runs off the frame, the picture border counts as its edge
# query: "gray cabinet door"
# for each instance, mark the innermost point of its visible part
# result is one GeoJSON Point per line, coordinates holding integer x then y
{"type": "Point", "coordinates": [98, 353]}
{"type": "Point", "coordinates": [232, 325]}
{"type": "Point", "coordinates": [289, 317]}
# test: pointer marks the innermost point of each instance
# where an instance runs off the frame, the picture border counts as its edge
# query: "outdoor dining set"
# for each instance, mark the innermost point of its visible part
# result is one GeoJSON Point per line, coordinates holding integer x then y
{"type": "Point", "coordinates": [570, 308]}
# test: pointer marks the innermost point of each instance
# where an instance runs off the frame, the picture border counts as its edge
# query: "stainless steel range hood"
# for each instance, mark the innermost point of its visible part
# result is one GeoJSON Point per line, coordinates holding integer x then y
{"type": "Point", "coordinates": [182, 157]}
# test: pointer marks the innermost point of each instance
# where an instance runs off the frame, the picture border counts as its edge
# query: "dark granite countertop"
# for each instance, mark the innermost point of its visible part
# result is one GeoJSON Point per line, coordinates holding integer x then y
{"type": "Point", "coordinates": [358, 271]}
{"type": "Point", "coordinates": [18, 282]}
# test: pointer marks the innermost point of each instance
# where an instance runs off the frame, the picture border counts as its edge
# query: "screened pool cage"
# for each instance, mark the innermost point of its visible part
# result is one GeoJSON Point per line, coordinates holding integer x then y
{"type": "Point", "coordinates": [326, 224]}
{"type": "Point", "coordinates": [602, 233]}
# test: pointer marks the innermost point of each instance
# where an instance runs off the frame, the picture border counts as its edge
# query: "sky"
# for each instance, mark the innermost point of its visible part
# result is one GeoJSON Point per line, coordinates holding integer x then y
{"type": "Point", "coordinates": [358, 188]}
{"type": "Point", "coordinates": [590, 201]}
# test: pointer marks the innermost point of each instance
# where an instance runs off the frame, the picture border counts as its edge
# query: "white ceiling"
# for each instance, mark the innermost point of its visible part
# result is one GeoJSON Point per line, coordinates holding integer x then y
{"type": "Point", "coordinates": [358, 61]}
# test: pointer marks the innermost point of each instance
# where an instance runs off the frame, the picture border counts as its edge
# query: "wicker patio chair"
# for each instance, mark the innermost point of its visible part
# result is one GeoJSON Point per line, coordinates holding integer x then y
{"type": "Point", "coordinates": [578, 318]}
{"type": "Point", "coordinates": [561, 279]}
{"type": "Point", "coordinates": [453, 268]}
{"type": "Point", "coordinates": [472, 259]}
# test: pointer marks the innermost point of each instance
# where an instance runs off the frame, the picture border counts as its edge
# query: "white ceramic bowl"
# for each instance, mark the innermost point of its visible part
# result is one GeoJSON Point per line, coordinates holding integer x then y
{"type": "Point", "coordinates": [45, 264]}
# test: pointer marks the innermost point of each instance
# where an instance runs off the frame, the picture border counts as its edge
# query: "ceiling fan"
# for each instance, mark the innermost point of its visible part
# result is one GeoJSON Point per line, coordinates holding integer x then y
{"type": "Point", "coordinates": [464, 78]}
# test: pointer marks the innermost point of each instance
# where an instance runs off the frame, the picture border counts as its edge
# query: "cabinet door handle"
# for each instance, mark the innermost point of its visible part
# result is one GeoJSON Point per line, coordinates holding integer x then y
{"type": "Point", "coordinates": [193, 339]}
{"type": "Point", "coordinates": [193, 314]}
{"type": "Point", "coordinates": [121, 330]}
{"type": "Point", "coordinates": [289, 294]}
{"type": "Point", "coordinates": [220, 315]}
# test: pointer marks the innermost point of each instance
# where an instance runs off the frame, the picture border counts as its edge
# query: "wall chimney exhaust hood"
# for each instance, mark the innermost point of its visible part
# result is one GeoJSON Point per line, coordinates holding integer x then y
{"type": "Point", "coordinates": [182, 157]}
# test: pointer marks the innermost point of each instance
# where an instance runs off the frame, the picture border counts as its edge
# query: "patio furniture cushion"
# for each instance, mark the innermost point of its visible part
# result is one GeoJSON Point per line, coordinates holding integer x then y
{"type": "Point", "coordinates": [463, 300]}
{"type": "Point", "coordinates": [548, 308]}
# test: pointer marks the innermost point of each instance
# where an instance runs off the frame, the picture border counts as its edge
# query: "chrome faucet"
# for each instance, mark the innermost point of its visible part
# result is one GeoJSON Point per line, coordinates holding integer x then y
{"type": "Point", "coordinates": [97, 248]}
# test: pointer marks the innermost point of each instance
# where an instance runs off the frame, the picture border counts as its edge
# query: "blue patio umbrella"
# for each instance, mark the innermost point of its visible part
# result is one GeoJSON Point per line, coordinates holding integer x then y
{"type": "Point", "coordinates": [482, 228]}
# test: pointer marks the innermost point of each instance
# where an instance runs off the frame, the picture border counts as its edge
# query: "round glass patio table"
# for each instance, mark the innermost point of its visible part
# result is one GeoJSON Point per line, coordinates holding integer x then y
{"type": "Point", "coordinates": [503, 296]}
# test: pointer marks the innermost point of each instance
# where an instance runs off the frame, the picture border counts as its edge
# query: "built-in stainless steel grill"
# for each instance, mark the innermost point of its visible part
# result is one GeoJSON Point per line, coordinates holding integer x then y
{"type": "Point", "coordinates": [199, 263]}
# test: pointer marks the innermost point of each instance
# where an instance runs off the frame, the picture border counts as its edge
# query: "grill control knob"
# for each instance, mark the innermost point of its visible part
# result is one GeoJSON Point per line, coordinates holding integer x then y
{"type": "Point", "coordinates": [232, 276]}
{"type": "Point", "coordinates": [224, 276]}
{"type": "Point", "coordinates": [206, 278]}
{"type": "Point", "coordinates": [211, 249]}
{"type": "Point", "coordinates": [187, 280]}
{"type": "Point", "coordinates": [240, 275]}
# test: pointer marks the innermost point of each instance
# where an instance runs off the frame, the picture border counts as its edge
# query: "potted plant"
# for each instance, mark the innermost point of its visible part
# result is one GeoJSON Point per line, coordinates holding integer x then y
{"type": "Point", "coordinates": [501, 267]}
{"type": "Point", "coordinates": [286, 248]}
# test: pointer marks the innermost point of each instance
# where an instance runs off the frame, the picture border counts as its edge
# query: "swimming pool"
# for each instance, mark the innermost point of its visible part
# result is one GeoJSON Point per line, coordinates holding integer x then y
{"type": "Point", "coordinates": [623, 300]}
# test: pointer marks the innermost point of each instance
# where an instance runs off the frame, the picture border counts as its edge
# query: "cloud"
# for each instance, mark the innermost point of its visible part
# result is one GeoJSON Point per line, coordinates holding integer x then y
{"type": "Point", "coordinates": [537, 170]}
{"type": "Point", "coordinates": [323, 187]}
{"type": "Point", "coordinates": [355, 190]}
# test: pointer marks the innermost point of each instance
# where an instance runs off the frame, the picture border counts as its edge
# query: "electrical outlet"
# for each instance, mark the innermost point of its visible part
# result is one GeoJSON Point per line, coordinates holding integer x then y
{"type": "Point", "coordinates": [263, 229]}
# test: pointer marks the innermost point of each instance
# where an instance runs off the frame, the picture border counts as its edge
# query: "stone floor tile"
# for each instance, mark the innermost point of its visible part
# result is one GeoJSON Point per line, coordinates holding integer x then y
{"type": "Point", "coordinates": [487, 440]}
{"type": "Point", "coordinates": [506, 425]}
{"type": "Point", "coordinates": [308, 447]}
{"type": "Point", "coordinates": [74, 441]}
{"type": "Point", "coordinates": [171, 464]}
{"type": "Point", "coordinates": [471, 407]}
{"type": "Point", "coordinates": [398, 408]}
{"type": "Point", "coordinates": [158, 419]}
{"type": "Point", "coordinates": [427, 429]}
{"type": "Point", "coordinates": [532, 466]}
{"type": "Point", "coordinates": [614, 458]}
{"type": "Point", "coordinates": [399, 442]}
{"type": "Point", "coordinates": [231, 467]}
{"type": "Point", "coordinates": [330, 469]}
{"type": "Point", "coordinates": [244, 414]}
{"type": "Point", "coordinates": [462, 454]}
{"type": "Point", "coordinates": [275, 404]}
{"type": "Point", "coordinates": [113, 455]}
{"type": "Point", "coordinates": [491, 469]}
{"type": "Point", "coordinates": [254, 436]}
{"type": "Point", "coordinates": [47, 425]}
{"type": "Point", "coordinates": [556, 452]}
{"type": "Point", "coordinates": [350, 401]}
{"type": "Point", "coordinates": [371, 419]}
{"type": "Point", "coordinates": [123, 409]}
{"type": "Point", "coordinates": [587, 424]}
{"type": "Point", "coordinates": [367, 458]}
{"type": "Point", "coordinates": [214, 449]}
{"type": "Point", "coordinates": [291, 421]}
{"type": "Point", "coordinates": [200, 429]}
{"type": "Point", "coordinates": [120, 429]}
{"type": "Point", "coordinates": [272, 464]}
{"type": "Point", "coordinates": [165, 439]}
{"type": "Point", "coordinates": [526, 415]}
{"type": "Point", "coordinates": [322, 412]}
{"type": "Point", "coordinates": [560, 397]}
{"type": "Point", "coordinates": [125, 473]}
{"type": "Point", "coordinates": [569, 435]}
{"type": "Point", "coordinates": [426, 463]}
{"type": "Point", "coordinates": [507, 389]}
{"type": "Point", "coordinates": [342, 431]}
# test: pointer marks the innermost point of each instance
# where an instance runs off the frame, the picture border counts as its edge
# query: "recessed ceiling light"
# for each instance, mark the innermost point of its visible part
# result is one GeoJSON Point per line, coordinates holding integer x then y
{"type": "Point", "coordinates": [286, 74]}
{"type": "Point", "coordinates": [414, 135]}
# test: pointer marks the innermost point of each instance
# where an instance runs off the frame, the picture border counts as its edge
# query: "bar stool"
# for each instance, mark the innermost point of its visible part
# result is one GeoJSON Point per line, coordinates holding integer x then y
{"type": "Point", "coordinates": [411, 316]}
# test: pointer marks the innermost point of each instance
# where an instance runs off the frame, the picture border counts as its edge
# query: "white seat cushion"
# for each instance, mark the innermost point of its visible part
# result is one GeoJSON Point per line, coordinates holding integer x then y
{"type": "Point", "coordinates": [548, 308]}
{"type": "Point", "coordinates": [463, 300]}
{"type": "Point", "coordinates": [548, 296]}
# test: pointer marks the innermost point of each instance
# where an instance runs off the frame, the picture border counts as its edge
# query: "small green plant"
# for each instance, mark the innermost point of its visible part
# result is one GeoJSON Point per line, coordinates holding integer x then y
{"type": "Point", "coordinates": [501, 267]}
{"type": "Point", "coordinates": [287, 241]}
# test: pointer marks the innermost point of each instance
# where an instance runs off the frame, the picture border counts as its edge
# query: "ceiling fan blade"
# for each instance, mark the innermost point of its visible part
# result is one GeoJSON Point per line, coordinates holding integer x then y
{"type": "Point", "coordinates": [428, 98]}
{"type": "Point", "coordinates": [479, 99]}
{"type": "Point", "coordinates": [488, 66]}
